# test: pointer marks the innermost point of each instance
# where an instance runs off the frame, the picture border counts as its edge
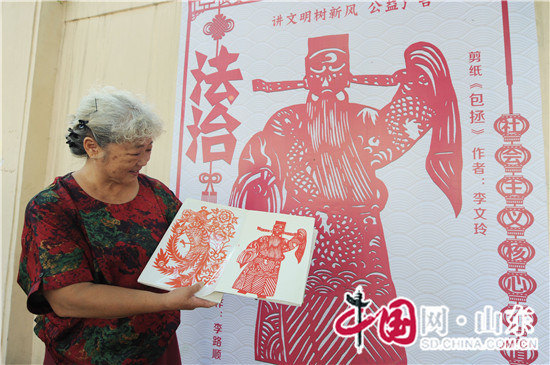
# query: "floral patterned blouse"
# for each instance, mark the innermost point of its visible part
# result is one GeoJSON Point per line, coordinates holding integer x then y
{"type": "Point", "coordinates": [70, 237]}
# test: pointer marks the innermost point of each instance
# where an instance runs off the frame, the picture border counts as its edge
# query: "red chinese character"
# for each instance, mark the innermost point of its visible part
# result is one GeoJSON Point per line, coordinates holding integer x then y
{"type": "Point", "coordinates": [398, 324]}
{"type": "Point", "coordinates": [291, 19]}
{"type": "Point", "coordinates": [478, 168]}
{"type": "Point", "coordinates": [475, 70]}
{"type": "Point", "coordinates": [277, 20]}
{"type": "Point", "coordinates": [195, 130]}
{"type": "Point", "coordinates": [513, 155]}
{"type": "Point", "coordinates": [480, 228]}
{"type": "Point", "coordinates": [222, 76]}
{"type": "Point", "coordinates": [350, 10]}
{"type": "Point", "coordinates": [391, 5]}
{"type": "Point", "coordinates": [478, 153]}
{"type": "Point", "coordinates": [305, 17]}
{"type": "Point", "coordinates": [218, 148]}
{"type": "Point", "coordinates": [480, 212]}
{"type": "Point", "coordinates": [520, 320]}
{"type": "Point", "coordinates": [320, 14]}
{"type": "Point", "coordinates": [217, 341]}
{"type": "Point", "coordinates": [217, 327]}
{"type": "Point", "coordinates": [212, 122]}
{"type": "Point", "coordinates": [335, 12]}
{"type": "Point", "coordinates": [222, 146]}
{"type": "Point", "coordinates": [396, 321]}
{"type": "Point", "coordinates": [475, 56]}
{"type": "Point", "coordinates": [424, 3]}
{"type": "Point", "coordinates": [217, 354]}
{"type": "Point", "coordinates": [477, 116]}
{"type": "Point", "coordinates": [480, 198]}
{"type": "Point", "coordinates": [476, 100]}
{"type": "Point", "coordinates": [374, 7]}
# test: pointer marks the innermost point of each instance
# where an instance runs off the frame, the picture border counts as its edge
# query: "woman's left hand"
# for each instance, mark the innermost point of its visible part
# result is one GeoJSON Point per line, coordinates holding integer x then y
{"type": "Point", "coordinates": [184, 298]}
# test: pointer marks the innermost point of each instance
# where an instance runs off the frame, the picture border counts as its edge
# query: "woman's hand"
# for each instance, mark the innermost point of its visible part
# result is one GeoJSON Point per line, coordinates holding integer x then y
{"type": "Point", "coordinates": [89, 300]}
{"type": "Point", "coordinates": [184, 298]}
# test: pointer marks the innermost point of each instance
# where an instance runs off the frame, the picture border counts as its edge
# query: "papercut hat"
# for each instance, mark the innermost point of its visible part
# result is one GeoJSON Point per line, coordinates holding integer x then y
{"type": "Point", "coordinates": [337, 41]}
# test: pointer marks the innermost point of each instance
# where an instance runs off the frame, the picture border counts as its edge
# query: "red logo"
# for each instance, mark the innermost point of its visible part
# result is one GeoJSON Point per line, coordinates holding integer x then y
{"type": "Point", "coordinates": [396, 322]}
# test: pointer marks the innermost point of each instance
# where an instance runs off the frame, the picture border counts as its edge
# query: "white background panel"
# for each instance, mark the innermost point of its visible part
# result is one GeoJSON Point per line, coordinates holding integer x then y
{"type": "Point", "coordinates": [435, 258]}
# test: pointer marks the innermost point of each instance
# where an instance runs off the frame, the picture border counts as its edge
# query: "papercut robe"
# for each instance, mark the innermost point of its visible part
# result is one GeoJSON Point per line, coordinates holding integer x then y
{"type": "Point", "coordinates": [262, 260]}
{"type": "Point", "coordinates": [319, 159]}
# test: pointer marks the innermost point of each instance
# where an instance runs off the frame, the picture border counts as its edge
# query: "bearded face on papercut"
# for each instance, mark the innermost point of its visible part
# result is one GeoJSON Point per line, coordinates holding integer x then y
{"type": "Point", "coordinates": [319, 158]}
{"type": "Point", "coordinates": [327, 68]}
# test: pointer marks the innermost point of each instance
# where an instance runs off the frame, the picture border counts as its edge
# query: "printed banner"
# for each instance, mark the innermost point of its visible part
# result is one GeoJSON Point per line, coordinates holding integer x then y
{"type": "Point", "coordinates": [411, 132]}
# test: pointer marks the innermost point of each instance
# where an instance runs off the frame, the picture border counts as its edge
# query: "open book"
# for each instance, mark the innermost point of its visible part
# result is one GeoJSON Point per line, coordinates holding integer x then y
{"type": "Point", "coordinates": [235, 251]}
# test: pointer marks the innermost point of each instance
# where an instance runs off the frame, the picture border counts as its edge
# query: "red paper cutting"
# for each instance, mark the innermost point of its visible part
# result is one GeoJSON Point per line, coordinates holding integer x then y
{"type": "Point", "coordinates": [319, 159]}
{"type": "Point", "coordinates": [197, 246]}
{"type": "Point", "coordinates": [262, 260]}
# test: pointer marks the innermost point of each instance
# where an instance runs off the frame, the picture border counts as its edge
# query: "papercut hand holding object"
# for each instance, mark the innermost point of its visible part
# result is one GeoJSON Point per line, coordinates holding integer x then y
{"type": "Point", "coordinates": [319, 158]}
{"type": "Point", "coordinates": [263, 258]}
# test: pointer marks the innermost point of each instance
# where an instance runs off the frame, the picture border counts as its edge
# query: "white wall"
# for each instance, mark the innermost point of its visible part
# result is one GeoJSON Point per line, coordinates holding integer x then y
{"type": "Point", "coordinates": [52, 54]}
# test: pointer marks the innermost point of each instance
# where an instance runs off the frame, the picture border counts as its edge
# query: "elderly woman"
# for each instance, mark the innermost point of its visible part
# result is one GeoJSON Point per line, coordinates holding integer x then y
{"type": "Point", "coordinates": [88, 236]}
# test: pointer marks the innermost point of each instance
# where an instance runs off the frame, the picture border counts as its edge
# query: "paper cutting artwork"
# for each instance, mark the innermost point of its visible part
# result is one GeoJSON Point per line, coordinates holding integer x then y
{"type": "Point", "coordinates": [234, 251]}
{"type": "Point", "coordinates": [262, 259]}
{"type": "Point", "coordinates": [396, 128]}
{"type": "Point", "coordinates": [319, 159]}
{"type": "Point", "coordinates": [197, 246]}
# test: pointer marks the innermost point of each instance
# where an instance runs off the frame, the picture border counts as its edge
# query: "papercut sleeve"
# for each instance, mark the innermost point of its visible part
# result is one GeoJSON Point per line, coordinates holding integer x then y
{"type": "Point", "coordinates": [55, 252]}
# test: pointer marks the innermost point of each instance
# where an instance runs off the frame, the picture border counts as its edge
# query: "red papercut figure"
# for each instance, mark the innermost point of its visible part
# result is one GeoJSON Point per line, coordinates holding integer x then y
{"type": "Point", "coordinates": [197, 246]}
{"type": "Point", "coordinates": [320, 159]}
{"type": "Point", "coordinates": [263, 258]}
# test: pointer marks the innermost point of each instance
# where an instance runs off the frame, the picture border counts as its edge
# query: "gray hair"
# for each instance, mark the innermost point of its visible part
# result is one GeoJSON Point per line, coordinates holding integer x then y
{"type": "Point", "coordinates": [108, 116]}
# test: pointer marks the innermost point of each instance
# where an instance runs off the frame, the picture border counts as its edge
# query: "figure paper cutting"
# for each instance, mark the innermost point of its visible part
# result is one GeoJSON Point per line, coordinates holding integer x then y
{"type": "Point", "coordinates": [197, 246]}
{"type": "Point", "coordinates": [319, 159]}
{"type": "Point", "coordinates": [229, 250]}
{"type": "Point", "coordinates": [262, 260]}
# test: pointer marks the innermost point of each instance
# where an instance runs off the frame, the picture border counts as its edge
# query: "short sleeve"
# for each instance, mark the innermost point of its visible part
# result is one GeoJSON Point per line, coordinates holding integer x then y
{"type": "Point", "coordinates": [54, 251]}
{"type": "Point", "coordinates": [169, 200]}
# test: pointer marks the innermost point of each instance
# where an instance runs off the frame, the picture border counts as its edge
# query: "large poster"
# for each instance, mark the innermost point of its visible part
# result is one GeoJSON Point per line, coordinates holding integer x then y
{"type": "Point", "coordinates": [411, 132]}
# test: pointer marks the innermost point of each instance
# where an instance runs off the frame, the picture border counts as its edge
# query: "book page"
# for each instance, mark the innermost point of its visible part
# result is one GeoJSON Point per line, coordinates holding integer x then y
{"type": "Point", "coordinates": [272, 258]}
{"type": "Point", "coordinates": [231, 250]}
{"type": "Point", "coordinates": [194, 248]}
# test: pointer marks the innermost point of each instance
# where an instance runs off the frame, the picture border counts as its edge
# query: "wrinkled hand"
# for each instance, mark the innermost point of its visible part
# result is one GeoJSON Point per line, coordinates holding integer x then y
{"type": "Point", "coordinates": [185, 299]}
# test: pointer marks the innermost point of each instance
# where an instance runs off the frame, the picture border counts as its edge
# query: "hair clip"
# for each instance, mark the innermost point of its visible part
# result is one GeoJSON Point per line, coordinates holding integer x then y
{"type": "Point", "coordinates": [82, 123]}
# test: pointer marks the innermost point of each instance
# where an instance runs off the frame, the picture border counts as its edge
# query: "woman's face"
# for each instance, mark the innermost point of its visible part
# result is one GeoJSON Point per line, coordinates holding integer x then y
{"type": "Point", "coordinates": [121, 162]}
